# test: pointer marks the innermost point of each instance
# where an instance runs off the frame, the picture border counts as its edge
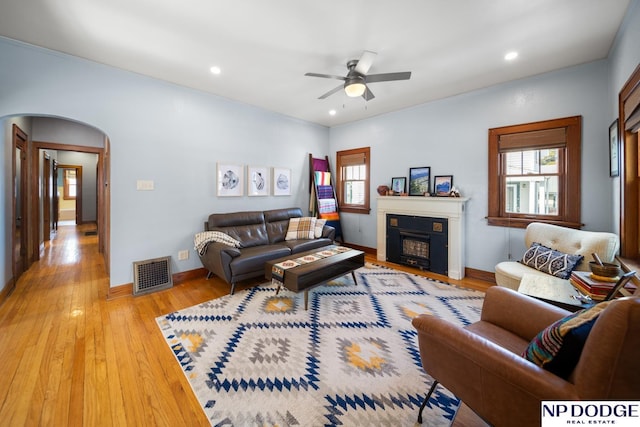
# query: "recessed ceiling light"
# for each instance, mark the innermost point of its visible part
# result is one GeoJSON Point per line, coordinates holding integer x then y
{"type": "Point", "coordinates": [215, 70]}
{"type": "Point", "coordinates": [332, 112]}
{"type": "Point", "coordinates": [511, 56]}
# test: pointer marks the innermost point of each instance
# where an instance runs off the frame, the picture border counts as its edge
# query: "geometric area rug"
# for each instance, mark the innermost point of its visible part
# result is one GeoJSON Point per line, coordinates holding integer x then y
{"type": "Point", "coordinates": [352, 359]}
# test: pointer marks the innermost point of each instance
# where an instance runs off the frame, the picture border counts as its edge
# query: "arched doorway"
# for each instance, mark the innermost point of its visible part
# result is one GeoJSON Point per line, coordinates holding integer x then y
{"type": "Point", "coordinates": [48, 136]}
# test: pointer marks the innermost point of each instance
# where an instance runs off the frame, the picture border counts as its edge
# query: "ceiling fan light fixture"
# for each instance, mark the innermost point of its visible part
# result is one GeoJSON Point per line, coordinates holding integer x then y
{"type": "Point", "coordinates": [354, 87]}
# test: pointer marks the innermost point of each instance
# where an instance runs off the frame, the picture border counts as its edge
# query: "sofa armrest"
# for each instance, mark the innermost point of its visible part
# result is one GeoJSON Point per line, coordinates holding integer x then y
{"type": "Point", "coordinates": [329, 232]}
{"type": "Point", "coordinates": [217, 259]}
{"type": "Point", "coordinates": [496, 383]}
{"type": "Point", "coordinates": [520, 314]}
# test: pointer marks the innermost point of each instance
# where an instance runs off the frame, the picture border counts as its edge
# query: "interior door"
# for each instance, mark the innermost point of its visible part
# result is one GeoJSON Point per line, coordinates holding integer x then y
{"type": "Point", "coordinates": [46, 197]}
{"type": "Point", "coordinates": [54, 199]}
{"type": "Point", "coordinates": [20, 223]}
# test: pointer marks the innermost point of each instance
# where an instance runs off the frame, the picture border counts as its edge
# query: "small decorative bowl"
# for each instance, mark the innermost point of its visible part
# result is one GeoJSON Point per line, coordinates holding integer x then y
{"type": "Point", "coordinates": [604, 270]}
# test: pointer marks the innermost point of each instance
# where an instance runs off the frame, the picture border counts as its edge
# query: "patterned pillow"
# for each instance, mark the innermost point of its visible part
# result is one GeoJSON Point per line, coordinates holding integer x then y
{"type": "Point", "coordinates": [550, 261]}
{"type": "Point", "coordinates": [301, 228]}
{"type": "Point", "coordinates": [318, 230]}
{"type": "Point", "coordinates": [558, 347]}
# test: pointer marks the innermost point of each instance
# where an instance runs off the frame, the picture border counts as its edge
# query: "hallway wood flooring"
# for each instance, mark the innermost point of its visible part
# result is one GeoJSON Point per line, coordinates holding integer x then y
{"type": "Point", "coordinates": [71, 357]}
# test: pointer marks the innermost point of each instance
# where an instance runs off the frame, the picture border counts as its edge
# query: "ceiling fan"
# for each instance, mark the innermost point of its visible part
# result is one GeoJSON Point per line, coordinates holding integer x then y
{"type": "Point", "coordinates": [356, 80]}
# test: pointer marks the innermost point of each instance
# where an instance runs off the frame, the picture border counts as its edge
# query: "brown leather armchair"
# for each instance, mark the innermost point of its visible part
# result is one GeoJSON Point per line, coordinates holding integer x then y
{"type": "Point", "coordinates": [482, 366]}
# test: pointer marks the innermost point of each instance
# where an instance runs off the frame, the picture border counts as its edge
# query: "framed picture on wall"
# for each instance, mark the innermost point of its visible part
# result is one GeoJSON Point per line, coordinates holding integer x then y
{"type": "Point", "coordinates": [281, 181]}
{"type": "Point", "coordinates": [258, 181]}
{"type": "Point", "coordinates": [614, 148]}
{"type": "Point", "coordinates": [419, 181]}
{"type": "Point", "coordinates": [230, 180]}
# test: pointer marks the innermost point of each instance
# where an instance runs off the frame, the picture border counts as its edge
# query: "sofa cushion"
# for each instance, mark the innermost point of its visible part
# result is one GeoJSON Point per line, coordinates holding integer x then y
{"type": "Point", "coordinates": [302, 245]}
{"type": "Point", "coordinates": [301, 228]}
{"type": "Point", "coordinates": [550, 261]}
{"type": "Point", "coordinates": [253, 259]}
{"type": "Point", "coordinates": [277, 222]}
{"type": "Point", "coordinates": [558, 347]}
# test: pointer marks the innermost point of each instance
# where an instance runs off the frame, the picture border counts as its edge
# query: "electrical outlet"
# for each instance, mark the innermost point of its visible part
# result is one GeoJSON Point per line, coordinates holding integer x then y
{"type": "Point", "coordinates": [182, 255]}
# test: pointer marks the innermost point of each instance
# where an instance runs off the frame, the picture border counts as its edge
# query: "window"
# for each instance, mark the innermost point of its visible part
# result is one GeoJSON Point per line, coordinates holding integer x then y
{"type": "Point", "coordinates": [534, 173]}
{"type": "Point", "coordinates": [70, 184]}
{"type": "Point", "coordinates": [352, 180]}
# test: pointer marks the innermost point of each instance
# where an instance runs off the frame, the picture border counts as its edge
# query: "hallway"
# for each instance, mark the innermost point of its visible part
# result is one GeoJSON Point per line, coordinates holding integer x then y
{"type": "Point", "coordinates": [71, 357]}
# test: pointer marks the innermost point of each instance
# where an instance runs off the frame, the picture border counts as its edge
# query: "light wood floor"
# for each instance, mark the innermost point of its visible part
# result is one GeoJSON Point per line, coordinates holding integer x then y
{"type": "Point", "coordinates": [69, 356]}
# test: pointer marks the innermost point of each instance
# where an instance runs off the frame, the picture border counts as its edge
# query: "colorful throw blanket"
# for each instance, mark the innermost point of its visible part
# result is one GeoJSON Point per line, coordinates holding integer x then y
{"type": "Point", "coordinates": [201, 240]}
{"type": "Point", "coordinates": [326, 205]}
{"type": "Point", "coordinates": [278, 270]}
{"type": "Point", "coordinates": [323, 178]}
{"type": "Point", "coordinates": [325, 192]}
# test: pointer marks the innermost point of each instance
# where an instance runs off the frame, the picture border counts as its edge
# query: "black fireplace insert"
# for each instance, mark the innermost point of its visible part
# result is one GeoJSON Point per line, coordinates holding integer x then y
{"type": "Point", "coordinates": [418, 241]}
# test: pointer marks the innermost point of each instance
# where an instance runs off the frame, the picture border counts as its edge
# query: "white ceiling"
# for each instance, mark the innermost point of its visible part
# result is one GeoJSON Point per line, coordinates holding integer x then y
{"type": "Point", "coordinates": [265, 47]}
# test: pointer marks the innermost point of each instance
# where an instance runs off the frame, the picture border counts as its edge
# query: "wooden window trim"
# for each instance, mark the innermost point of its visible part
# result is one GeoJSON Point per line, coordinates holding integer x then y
{"type": "Point", "coordinates": [628, 107]}
{"type": "Point", "coordinates": [347, 154]}
{"type": "Point", "coordinates": [66, 185]}
{"type": "Point", "coordinates": [569, 209]}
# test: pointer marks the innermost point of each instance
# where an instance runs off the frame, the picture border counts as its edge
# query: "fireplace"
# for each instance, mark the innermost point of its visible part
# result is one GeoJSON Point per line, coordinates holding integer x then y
{"type": "Point", "coordinates": [450, 208]}
{"type": "Point", "coordinates": [418, 242]}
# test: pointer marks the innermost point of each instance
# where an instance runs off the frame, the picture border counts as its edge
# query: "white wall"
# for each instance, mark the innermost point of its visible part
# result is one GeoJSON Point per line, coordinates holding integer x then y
{"type": "Point", "coordinates": [161, 132]}
{"type": "Point", "coordinates": [450, 136]}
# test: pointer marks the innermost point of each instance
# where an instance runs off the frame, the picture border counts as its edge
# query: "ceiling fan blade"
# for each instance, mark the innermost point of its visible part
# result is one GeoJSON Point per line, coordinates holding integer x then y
{"type": "Point", "coordinates": [368, 95]}
{"type": "Point", "coordinates": [331, 92]}
{"type": "Point", "coordinates": [326, 76]}
{"type": "Point", "coordinates": [365, 62]}
{"type": "Point", "coordinates": [387, 77]}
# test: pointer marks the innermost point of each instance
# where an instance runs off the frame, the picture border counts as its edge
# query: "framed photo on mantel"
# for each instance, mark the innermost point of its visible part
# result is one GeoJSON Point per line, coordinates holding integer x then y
{"type": "Point", "coordinates": [419, 181]}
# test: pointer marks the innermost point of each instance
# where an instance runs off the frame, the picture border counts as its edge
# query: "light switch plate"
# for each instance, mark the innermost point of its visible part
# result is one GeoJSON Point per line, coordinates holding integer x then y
{"type": "Point", "coordinates": [144, 185]}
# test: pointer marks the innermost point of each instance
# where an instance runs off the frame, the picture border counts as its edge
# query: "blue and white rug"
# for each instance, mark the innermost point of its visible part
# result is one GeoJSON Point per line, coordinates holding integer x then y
{"type": "Point", "coordinates": [259, 359]}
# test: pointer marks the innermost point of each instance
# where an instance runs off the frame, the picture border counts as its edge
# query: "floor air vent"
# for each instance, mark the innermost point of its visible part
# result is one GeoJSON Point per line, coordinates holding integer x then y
{"type": "Point", "coordinates": [152, 275]}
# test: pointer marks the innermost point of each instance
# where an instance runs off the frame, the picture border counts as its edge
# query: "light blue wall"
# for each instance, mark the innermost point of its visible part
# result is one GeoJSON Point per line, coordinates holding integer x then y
{"type": "Point", "coordinates": [623, 60]}
{"type": "Point", "coordinates": [161, 132]}
{"type": "Point", "coordinates": [174, 136]}
{"type": "Point", "coordinates": [450, 136]}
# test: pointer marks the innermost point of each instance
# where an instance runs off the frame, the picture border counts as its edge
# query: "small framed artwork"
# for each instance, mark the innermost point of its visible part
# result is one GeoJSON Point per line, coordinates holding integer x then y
{"type": "Point", "coordinates": [281, 182]}
{"type": "Point", "coordinates": [230, 180]}
{"type": "Point", "coordinates": [258, 180]}
{"type": "Point", "coordinates": [399, 184]}
{"type": "Point", "coordinates": [443, 184]}
{"type": "Point", "coordinates": [614, 148]}
{"type": "Point", "coordinates": [419, 181]}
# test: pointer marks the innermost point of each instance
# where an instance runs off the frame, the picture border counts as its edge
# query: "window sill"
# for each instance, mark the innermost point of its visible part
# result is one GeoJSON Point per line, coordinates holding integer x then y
{"type": "Point", "coordinates": [363, 210]}
{"type": "Point", "coordinates": [524, 222]}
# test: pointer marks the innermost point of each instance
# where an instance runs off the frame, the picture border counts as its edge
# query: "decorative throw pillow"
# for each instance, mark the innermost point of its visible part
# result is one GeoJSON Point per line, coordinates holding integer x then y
{"type": "Point", "coordinates": [301, 228]}
{"type": "Point", "coordinates": [550, 261]}
{"type": "Point", "coordinates": [318, 230]}
{"type": "Point", "coordinates": [557, 348]}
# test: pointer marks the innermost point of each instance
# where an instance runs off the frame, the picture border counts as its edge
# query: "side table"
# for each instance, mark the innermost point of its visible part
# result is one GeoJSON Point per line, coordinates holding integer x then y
{"type": "Point", "coordinates": [553, 290]}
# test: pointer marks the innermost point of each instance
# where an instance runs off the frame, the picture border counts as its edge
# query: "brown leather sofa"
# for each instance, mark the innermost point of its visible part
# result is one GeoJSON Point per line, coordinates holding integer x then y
{"type": "Point", "coordinates": [262, 236]}
{"type": "Point", "coordinates": [481, 363]}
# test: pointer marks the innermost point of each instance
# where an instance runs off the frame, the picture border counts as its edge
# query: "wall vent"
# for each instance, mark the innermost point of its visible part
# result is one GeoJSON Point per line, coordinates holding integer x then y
{"type": "Point", "coordinates": [152, 275]}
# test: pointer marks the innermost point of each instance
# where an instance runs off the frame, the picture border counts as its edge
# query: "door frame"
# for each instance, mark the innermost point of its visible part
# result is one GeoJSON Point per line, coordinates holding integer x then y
{"type": "Point", "coordinates": [20, 141]}
{"type": "Point", "coordinates": [78, 199]}
{"type": "Point", "coordinates": [103, 196]}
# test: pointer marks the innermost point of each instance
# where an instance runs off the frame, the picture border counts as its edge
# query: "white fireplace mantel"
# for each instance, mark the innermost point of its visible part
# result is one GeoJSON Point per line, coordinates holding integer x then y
{"type": "Point", "coordinates": [451, 208]}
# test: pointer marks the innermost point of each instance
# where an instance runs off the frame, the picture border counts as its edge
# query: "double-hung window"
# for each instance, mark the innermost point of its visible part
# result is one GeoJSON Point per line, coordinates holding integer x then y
{"type": "Point", "coordinates": [352, 181]}
{"type": "Point", "coordinates": [534, 173]}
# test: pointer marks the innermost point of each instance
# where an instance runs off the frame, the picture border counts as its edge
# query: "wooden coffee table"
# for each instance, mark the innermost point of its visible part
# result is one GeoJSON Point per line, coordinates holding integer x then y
{"type": "Point", "coordinates": [306, 276]}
